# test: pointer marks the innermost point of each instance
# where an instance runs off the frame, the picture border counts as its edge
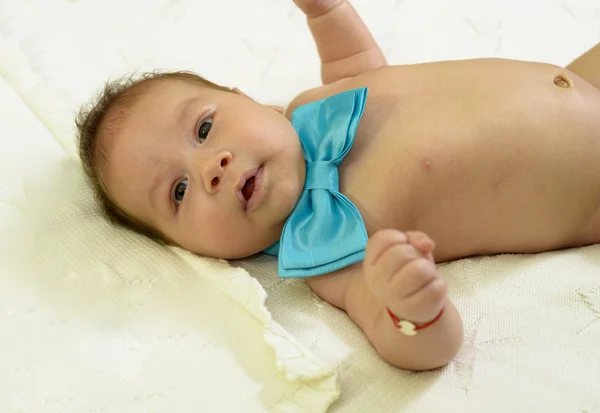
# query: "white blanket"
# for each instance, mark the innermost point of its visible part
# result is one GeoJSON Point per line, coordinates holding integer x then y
{"type": "Point", "coordinates": [96, 319]}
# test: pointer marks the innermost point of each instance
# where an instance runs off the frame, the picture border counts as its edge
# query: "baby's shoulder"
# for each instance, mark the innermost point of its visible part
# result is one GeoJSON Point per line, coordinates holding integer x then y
{"type": "Point", "coordinates": [318, 93]}
{"type": "Point", "coordinates": [372, 79]}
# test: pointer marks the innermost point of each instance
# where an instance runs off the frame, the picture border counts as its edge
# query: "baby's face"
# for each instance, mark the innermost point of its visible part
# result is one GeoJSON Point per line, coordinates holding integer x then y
{"type": "Point", "coordinates": [214, 171]}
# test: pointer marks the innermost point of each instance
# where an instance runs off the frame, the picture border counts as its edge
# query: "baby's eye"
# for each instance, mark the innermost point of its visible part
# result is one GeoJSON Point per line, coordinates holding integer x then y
{"type": "Point", "coordinates": [179, 191]}
{"type": "Point", "coordinates": [204, 129]}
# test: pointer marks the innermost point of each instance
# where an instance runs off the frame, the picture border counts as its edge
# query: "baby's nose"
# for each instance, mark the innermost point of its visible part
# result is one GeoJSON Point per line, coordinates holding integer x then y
{"type": "Point", "coordinates": [215, 170]}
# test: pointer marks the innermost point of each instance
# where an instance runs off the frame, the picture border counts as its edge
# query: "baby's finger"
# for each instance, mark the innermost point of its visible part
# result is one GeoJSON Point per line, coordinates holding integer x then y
{"type": "Point", "coordinates": [413, 277]}
{"type": "Point", "coordinates": [424, 305]}
{"type": "Point", "coordinates": [380, 242]}
{"type": "Point", "coordinates": [421, 241]}
{"type": "Point", "coordinates": [380, 275]}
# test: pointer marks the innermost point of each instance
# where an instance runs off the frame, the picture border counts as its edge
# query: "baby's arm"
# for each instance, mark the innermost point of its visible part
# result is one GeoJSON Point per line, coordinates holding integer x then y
{"type": "Point", "coordinates": [398, 273]}
{"type": "Point", "coordinates": [588, 66]}
{"type": "Point", "coordinates": [345, 45]}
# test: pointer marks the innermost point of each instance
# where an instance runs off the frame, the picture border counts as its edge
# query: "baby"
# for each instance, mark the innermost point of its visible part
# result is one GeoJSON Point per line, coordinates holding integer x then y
{"type": "Point", "coordinates": [480, 156]}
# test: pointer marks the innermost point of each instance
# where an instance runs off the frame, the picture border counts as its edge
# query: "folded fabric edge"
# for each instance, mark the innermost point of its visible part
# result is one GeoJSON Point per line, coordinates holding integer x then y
{"type": "Point", "coordinates": [317, 382]}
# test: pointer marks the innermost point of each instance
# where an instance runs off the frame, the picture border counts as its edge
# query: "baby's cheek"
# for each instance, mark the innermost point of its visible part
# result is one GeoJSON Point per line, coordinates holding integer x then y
{"type": "Point", "coordinates": [219, 234]}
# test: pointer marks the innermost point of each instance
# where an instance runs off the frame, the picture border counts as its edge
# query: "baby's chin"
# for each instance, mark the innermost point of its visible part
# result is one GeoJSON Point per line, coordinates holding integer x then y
{"type": "Point", "coordinates": [245, 240]}
{"type": "Point", "coordinates": [244, 252]}
{"type": "Point", "coordinates": [287, 196]}
{"type": "Point", "coordinates": [242, 245]}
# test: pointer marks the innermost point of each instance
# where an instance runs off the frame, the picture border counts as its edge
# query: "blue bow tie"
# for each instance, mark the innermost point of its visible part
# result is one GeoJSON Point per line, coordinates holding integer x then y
{"type": "Point", "coordinates": [325, 231]}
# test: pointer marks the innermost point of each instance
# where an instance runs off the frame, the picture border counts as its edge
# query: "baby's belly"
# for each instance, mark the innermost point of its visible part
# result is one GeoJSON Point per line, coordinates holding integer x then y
{"type": "Point", "coordinates": [488, 157]}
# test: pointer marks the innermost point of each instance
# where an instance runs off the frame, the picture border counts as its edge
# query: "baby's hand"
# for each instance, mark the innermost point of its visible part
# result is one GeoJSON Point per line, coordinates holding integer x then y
{"type": "Point", "coordinates": [400, 270]}
{"type": "Point", "coordinates": [314, 8]}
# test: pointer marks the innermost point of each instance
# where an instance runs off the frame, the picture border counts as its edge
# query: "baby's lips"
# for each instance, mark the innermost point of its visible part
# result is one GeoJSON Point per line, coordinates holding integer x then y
{"type": "Point", "coordinates": [240, 186]}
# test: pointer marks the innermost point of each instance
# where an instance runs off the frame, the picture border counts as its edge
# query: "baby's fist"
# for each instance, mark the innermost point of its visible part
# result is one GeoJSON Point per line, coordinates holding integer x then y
{"type": "Point", "coordinates": [400, 270]}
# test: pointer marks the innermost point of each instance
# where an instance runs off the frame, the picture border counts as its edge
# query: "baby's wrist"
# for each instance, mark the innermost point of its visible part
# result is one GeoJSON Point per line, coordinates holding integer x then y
{"type": "Point", "coordinates": [411, 328]}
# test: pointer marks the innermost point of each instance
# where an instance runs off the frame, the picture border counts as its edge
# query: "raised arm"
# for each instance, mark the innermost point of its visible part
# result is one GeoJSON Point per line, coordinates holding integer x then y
{"type": "Point", "coordinates": [345, 45]}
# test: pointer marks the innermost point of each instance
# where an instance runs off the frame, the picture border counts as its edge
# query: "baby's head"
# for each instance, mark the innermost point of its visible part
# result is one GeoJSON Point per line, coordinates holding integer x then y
{"type": "Point", "coordinates": [191, 163]}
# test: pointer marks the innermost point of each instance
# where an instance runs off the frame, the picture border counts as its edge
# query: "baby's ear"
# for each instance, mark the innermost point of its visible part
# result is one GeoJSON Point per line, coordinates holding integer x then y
{"type": "Point", "coordinates": [276, 108]}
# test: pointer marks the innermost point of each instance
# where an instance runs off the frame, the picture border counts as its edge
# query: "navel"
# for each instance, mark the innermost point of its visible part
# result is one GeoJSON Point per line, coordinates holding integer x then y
{"type": "Point", "coordinates": [563, 81]}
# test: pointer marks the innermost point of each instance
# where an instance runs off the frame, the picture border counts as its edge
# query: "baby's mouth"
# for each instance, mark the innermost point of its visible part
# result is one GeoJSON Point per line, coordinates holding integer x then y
{"type": "Point", "coordinates": [248, 188]}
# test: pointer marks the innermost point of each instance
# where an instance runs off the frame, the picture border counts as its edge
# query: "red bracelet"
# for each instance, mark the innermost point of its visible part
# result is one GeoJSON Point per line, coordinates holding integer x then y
{"type": "Point", "coordinates": [408, 328]}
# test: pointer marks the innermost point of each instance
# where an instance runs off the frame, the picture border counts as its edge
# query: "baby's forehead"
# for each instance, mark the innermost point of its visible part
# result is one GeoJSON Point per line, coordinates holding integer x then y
{"type": "Point", "coordinates": [174, 87]}
{"type": "Point", "coordinates": [159, 102]}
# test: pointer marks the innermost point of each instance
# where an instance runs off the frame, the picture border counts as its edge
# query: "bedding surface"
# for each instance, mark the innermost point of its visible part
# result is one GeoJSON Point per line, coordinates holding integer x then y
{"type": "Point", "coordinates": [96, 319]}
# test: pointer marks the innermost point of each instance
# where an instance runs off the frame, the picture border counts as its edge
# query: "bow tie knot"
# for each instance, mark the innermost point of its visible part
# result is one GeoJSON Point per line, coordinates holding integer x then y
{"type": "Point", "coordinates": [322, 175]}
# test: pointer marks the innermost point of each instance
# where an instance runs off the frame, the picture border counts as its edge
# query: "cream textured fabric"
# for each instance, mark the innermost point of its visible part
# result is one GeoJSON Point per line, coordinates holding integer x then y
{"type": "Point", "coordinates": [96, 319]}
